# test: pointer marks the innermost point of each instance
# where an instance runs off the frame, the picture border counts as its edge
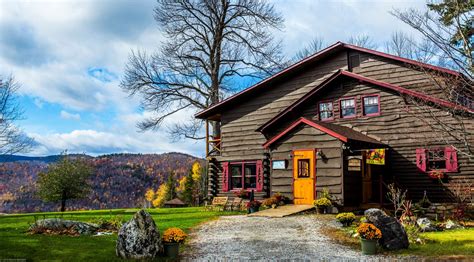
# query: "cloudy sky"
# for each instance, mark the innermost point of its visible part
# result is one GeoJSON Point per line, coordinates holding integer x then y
{"type": "Point", "coordinates": [69, 57]}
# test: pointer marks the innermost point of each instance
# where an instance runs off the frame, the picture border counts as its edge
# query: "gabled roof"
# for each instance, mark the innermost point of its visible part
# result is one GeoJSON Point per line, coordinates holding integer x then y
{"type": "Point", "coordinates": [342, 133]}
{"type": "Point", "coordinates": [335, 48]}
{"type": "Point", "coordinates": [341, 73]}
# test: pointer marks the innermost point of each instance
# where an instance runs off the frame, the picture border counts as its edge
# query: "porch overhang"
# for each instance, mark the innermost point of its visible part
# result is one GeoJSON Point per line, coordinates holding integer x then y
{"type": "Point", "coordinates": [344, 134]}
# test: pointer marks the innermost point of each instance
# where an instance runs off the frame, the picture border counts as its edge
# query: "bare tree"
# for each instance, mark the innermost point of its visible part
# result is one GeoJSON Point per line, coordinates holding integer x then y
{"type": "Point", "coordinates": [209, 44]}
{"type": "Point", "coordinates": [12, 139]}
{"type": "Point", "coordinates": [448, 26]}
{"type": "Point", "coordinates": [316, 45]}
{"type": "Point", "coordinates": [362, 41]}
{"type": "Point", "coordinates": [404, 45]}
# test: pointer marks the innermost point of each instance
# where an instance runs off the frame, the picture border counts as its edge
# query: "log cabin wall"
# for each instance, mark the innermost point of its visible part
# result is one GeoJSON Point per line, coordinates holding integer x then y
{"type": "Point", "coordinates": [239, 138]}
{"type": "Point", "coordinates": [395, 126]}
{"type": "Point", "coordinates": [328, 170]}
{"type": "Point", "coordinates": [400, 127]}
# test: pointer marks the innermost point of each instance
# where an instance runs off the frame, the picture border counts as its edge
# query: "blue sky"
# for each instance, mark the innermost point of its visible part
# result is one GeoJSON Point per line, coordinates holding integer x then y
{"type": "Point", "coordinates": [69, 58]}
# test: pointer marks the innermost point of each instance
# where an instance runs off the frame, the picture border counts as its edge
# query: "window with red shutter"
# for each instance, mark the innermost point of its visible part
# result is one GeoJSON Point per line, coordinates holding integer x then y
{"type": "Point", "coordinates": [421, 159]}
{"type": "Point", "coordinates": [451, 159]}
{"type": "Point", "coordinates": [259, 176]}
{"type": "Point", "coordinates": [225, 176]}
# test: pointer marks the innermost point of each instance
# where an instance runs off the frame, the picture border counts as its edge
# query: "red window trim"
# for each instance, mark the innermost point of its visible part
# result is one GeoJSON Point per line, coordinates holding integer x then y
{"type": "Point", "coordinates": [423, 160]}
{"type": "Point", "coordinates": [363, 108]}
{"type": "Point", "coordinates": [333, 112]}
{"type": "Point", "coordinates": [232, 189]}
{"type": "Point", "coordinates": [355, 107]}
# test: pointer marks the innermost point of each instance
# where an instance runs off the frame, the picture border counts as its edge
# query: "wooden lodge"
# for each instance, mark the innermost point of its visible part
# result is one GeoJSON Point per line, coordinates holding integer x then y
{"type": "Point", "coordinates": [341, 119]}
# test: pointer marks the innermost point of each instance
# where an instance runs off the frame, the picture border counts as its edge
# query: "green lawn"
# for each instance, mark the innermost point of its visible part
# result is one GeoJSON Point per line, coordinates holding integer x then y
{"type": "Point", "coordinates": [15, 243]}
{"type": "Point", "coordinates": [458, 242]}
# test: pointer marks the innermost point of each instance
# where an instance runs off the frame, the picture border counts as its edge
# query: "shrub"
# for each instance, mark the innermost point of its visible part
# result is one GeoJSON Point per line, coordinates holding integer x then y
{"type": "Point", "coordinates": [346, 219]}
{"type": "Point", "coordinates": [369, 231]}
{"type": "Point", "coordinates": [113, 223]}
{"type": "Point", "coordinates": [322, 202]}
{"type": "Point", "coordinates": [254, 204]}
{"type": "Point", "coordinates": [174, 235]}
{"type": "Point", "coordinates": [269, 202]}
{"type": "Point", "coordinates": [413, 233]}
{"type": "Point", "coordinates": [242, 194]}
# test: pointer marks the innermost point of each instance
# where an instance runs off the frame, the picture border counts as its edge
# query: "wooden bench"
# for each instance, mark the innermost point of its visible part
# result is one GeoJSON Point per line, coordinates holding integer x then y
{"type": "Point", "coordinates": [235, 204]}
{"type": "Point", "coordinates": [218, 203]}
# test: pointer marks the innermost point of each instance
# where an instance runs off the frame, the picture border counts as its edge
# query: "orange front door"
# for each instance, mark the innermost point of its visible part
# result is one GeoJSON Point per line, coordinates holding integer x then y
{"type": "Point", "coordinates": [303, 175]}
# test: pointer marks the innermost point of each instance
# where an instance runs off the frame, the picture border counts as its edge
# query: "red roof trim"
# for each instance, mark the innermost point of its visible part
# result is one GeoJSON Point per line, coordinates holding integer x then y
{"type": "Point", "coordinates": [203, 114]}
{"type": "Point", "coordinates": [398, 89]}
{"type": "Point", "coordinates": [310, 123]}
{"type": "Point", "coordinates": [404, 60]}
{"type": "Point", "coordinates": [266, 80]}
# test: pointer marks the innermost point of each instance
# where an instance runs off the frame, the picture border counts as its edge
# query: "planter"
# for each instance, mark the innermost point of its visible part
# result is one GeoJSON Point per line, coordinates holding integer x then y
{"type": "Point", "coordinates": [171, 249]}
{"type": "Point", "coordinates": [253, 210]}
{"type": "Point", "coordinates": [369, 247]}
{"type": "Point", "coordinates": [321, 210]}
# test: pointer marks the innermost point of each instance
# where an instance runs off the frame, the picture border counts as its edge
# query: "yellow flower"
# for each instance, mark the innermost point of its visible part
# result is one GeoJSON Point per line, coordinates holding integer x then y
{"type": "Point", "coordinates": [174, 235]}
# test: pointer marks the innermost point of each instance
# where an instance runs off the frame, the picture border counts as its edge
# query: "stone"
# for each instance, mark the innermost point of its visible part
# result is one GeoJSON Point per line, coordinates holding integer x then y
{"type": "Point", "coordinates": [452, 225]}
{"type": "Point", "coordinates": [394, 236]}
{"type": "Point", "coordinates": [425, 224]}
{"type": "Point", "coordinates": [139, 238]}
{"type": "Point", "coordinates": [57, 224]}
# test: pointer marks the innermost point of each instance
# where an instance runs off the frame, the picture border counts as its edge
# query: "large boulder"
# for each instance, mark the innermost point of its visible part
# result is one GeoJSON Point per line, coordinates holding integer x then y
{"type": "Point", "coordinates": [394, 236]}
{"type": "Point", "coordinates": [139, 238]}
{"type": "Point", "coordinates": [58, 224]}
{"type": "Point", "coordinates": [425, 224]}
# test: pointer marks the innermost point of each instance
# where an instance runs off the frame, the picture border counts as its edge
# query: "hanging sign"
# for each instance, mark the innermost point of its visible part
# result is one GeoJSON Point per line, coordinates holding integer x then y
{"type": "Point", "coordinates": [354, 163]}
{"type": "Point", "coordinates": [375, 156]}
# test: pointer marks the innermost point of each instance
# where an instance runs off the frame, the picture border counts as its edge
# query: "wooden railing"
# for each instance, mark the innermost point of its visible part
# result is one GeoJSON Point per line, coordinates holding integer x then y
{"type": "Point", "coordinates": [213, 144]}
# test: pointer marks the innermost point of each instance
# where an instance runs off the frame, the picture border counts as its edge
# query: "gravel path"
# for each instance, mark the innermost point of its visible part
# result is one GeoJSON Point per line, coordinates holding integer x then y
{"type": "Point", "coordinates": [245, 238]}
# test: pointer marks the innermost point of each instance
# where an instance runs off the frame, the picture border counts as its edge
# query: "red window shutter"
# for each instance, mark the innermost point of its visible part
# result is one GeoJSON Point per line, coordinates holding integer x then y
{"type": "Point", "coordinates": [225, 176]}
{"type": "Point", "coordinates": [259, 176]}
{"type": "Point", "coordinates": [451, 159]}
{"type": "Point", "coordinates": [421, 159]}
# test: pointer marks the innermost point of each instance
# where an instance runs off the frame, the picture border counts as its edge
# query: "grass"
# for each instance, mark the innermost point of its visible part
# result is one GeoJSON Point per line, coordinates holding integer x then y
{"type": "Point", "coordinates": [449, 244]}
{"type": "Point", "coordinates": [16, 244]}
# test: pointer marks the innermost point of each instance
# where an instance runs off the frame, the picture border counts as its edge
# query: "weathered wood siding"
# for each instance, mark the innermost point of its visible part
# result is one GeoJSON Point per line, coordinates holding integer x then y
{"type": "Point", "coordinates": [239, 138]}
{"type": "Point", "coordinates": [328, 171]}
{"type": "Point", "coordinates": [400, 127]}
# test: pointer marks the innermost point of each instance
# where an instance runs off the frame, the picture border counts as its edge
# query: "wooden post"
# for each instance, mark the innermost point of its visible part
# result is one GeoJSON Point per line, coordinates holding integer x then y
{"type": "Point", "coordinates": [207, 138]}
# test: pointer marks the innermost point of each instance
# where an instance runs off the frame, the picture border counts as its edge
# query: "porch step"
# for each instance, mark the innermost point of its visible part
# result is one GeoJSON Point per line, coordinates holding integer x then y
{"type": "Point", "coordinates": [282, 211]}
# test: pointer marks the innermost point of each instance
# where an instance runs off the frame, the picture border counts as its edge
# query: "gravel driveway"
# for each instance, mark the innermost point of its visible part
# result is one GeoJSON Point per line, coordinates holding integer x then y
{"type": "Point", "coordinates": [258, 238]}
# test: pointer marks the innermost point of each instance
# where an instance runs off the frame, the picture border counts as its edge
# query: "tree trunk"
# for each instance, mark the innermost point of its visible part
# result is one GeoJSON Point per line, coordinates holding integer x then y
{"type": "Point", "coordinates": [63, 202]}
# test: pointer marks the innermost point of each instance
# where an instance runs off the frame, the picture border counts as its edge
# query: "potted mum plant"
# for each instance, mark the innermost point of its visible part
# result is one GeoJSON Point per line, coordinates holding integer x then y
{"type": "Point", "coordinates": [369, 235]}
{"type": "Point", "coordinates": [322, 204]}
{"type": "Point", "coordinates": [253, 206]}
{"type": "Point", "coordinates": [172, 237]}
{"type": "Point", "coordinates": [346, 219]}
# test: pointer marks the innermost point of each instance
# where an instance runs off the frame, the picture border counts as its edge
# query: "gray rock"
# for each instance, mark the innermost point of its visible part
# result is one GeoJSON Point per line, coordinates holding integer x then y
{"type": "Point", "coordinates": [452, 225]}
{"type": "Point", "coordinates": [425, 224]}
{"type": "Point", "coordinates": [394, 236]}
{"type": "Point", "coordinates": [139, 238]}
{"type": "Point", "coordinates": [60, 224]}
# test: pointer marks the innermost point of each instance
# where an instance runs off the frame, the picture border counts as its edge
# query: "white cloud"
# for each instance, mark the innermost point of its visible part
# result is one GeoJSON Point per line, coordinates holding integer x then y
{"type": "Point", "coordinates": [69, 116]}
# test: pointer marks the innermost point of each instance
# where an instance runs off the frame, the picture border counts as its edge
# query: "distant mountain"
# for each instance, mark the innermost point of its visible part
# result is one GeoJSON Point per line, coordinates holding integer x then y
{"type": "Point", "coordinates": [119, 180]}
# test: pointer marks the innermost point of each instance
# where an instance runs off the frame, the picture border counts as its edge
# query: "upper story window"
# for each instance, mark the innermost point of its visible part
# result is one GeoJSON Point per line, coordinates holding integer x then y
{"type": "Point", "coordinates": [325, 111]}
{"type": "Point", "coordinates": [348, 108]}
{"type": "Point", "coordinates": [437, 159]}
{"type": "Point", "coordinates": [354, 62]}
{"type": "Point", "coordinates": [371, 105]}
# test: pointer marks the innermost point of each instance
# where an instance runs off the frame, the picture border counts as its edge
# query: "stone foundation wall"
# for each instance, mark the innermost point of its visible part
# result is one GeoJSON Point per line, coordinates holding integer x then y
{"type": "Point", "coordinates": [441, 211]}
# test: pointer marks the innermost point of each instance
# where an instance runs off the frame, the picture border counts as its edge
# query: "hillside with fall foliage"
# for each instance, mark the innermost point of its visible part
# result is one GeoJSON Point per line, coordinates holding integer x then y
{"type": "Point", "coordinates": [119, 180]}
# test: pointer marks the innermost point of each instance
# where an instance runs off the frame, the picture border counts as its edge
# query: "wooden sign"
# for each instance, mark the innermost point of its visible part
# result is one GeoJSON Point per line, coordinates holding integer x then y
{"type": "Point", "coordinates": [354, 164]}
{"type": "Point", "coordinates": [279, 164]}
